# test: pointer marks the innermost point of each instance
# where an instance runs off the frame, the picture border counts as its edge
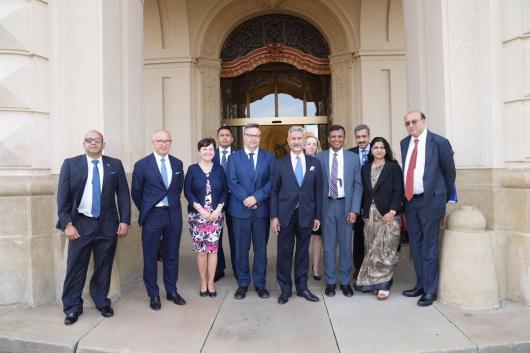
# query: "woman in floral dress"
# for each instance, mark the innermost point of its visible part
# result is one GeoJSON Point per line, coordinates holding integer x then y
{"type": "Point", "coordinates": [206, 189]}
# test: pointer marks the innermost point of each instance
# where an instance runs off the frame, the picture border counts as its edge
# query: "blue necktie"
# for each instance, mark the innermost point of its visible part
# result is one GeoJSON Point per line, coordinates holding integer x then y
{"type": "Point", "coordinates": [96, 191]}
{"type": "Point", "coordinates": [298, 171]}
{"type": "Point", "coordinates": [251, 159]}
{"type": "Point", "coordinates": [163, 171]}
{"type": "Point", "coordinates": [223, 159]}
{"type": "Point", "coordinates": [364, 153]}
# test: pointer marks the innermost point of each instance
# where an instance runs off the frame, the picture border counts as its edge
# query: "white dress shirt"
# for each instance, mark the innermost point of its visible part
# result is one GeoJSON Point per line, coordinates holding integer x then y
{"type": "Point", "coordinates": [420, 162]}
{"type": "Point", "coordinates": [294, 161]}
{"type": "Point", "coordinates": [247, 151]}
{"type": "Point", "coordinates": [168, 168]}
{"type": "Point", "coordinates": [85, 206]}
{"type": "Point", "coordinates": [340, 171]}
{"type": "Point", "coordinates": [228, 153]}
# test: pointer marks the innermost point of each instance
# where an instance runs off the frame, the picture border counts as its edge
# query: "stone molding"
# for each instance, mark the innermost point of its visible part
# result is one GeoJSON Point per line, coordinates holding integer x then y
{"type": "Point", "coordinates": [27, 186]}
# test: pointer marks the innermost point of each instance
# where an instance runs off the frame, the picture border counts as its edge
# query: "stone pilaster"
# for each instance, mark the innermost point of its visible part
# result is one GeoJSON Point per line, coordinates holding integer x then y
{"type": "Point", "coordinates": [342, 93]}
{"type": "Point", "coordinates": [210, 97]}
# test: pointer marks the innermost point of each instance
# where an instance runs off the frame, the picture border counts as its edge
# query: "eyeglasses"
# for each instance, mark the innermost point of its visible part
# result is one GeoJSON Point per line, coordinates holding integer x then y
{"type": "Point", "coordinates": [252, 136]}
{"type": "Point", "coordinates": [411, 123]}
{"type": "Point", "coordinates": [163, 142]}
{"type": "Point", "coordinates": [96, 141]}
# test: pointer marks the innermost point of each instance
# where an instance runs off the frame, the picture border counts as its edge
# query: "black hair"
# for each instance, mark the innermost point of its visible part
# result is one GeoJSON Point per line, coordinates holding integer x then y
{"type": "Point", "coordinates": [224, 127]}
{"type": "Point", "coordinates": [388, 156]}
{"type": "Point", "coordinates": [205, 142]}
{"type": "Point", "coordinates": [336, 127]}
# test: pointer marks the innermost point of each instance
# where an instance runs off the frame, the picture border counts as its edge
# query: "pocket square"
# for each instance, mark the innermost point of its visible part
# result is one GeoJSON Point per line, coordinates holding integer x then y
{"type": "Point", "coordinates": [111, 172]}
{"type": "Point", "coordinates": [177, 173]}
{"type": "Point", "coordinates": [312, 168]}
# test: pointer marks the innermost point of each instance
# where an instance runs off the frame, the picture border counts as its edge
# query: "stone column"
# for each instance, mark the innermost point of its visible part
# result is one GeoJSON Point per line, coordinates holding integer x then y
{"type": "Point", "coordinates": [467, 272]}
{"type": "Point", "coordinates": [26, 138]}
{"type": "Point", "coordinates": [342, 91]}
{"type": "Point", "coordinates": [210, 97]}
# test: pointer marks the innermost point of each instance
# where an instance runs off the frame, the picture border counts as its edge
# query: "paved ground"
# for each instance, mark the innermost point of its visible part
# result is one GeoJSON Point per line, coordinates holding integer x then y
{"type": "Point", "coordinates": [339, 324]}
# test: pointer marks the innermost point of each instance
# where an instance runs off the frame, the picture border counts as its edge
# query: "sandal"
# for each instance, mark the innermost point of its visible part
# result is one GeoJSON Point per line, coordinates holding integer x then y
{"type": "Point", "coordinates": [383, 294]}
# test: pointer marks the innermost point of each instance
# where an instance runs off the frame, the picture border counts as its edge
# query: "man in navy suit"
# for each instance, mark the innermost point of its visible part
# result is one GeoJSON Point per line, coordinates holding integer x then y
{"type": "Point", "coordinates": [362, 139]}
{"type": "Point", "coordinates": [156, 186]}
{"type": "Point", "coordinates": [295, 212]}
{"type": "Point", "coordinates": [249, 175]}
{"type": "Point", "coordinates": [341, 194]}
{"type": "Point", "coordinates": [224, 140]}
{"type": "Point", "coordinates": [429, 173]}
{"type": "Point", "coordinates": [89, 186]}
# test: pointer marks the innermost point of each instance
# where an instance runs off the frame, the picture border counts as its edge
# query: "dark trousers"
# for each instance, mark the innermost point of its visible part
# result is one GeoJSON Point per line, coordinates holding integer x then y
{"type": "Point", "coordinates": [424, 244]}
{"type": "Point", "coordinates": [288, 236]}
{"type": "Point", "coordinates": [253, 230]}
{"type": "Point", "coordinates": [91, 240]}
{"type": "Point", "coordinates": [358, 242]}
{"type": "Point", "coordinates": [156, 228]}
{"type": "Point", "coordinates": [221, 262]}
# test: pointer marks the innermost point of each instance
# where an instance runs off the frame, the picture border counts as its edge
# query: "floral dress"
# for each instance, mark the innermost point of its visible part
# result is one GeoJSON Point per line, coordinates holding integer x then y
{"type": "Point", "coordinates": [205, 234]}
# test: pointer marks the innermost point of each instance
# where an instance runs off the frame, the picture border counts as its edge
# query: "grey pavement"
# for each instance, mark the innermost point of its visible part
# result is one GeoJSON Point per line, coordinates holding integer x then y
{"type": "Point", "coordinates": [223, 324]}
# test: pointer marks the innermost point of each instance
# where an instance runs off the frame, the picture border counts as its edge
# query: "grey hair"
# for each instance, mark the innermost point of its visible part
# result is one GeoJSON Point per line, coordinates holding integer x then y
{"type": "Point", "coordinates": [296, 128]}
{"type": "Point", "coordinates": [160, 130]}
{"type": "Point", "coordinates": [361, 127]}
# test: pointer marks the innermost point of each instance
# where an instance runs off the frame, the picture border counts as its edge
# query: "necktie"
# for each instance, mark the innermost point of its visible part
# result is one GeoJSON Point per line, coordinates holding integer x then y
{"type": "Point", "coordinates": [96, 191]}
{"type": "Point", "coordinates": [298, 171]}
{"type": "Point", "coordinates": [364, 154]}
{"type": "Point", "coordinates": [409, 183]}
{"type": "Point", "coordinates": [251, 159]}
{"type": "Point", "coordinates": [163, 171]}
{"type": "Point", "coordinates": [333, 191]}
{"type": "Point", "coordinates": [223, 159]}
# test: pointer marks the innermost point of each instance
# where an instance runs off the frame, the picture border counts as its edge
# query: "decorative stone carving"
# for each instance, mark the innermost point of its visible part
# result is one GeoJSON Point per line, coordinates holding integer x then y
{"type": "Point", "coordinates": [287, 30]}
{"type": "Point", "coordinates": [270, 4]}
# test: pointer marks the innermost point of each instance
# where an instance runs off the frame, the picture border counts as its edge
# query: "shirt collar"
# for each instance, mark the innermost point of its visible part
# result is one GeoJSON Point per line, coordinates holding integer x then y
{"type": "Point", "coordinates": [367, 148]}
{"type": "Point", "coordinates": [228, 150]}
{"type": "Point", "coordinates": [89, 160]}
{"type": "Point", "coordinates": [339, 152]}
{"type": "Point", "coordinates": [294, 155]}
{"type": "Point", "coordinates": [247, 151]}
{"type": "Point", "coordinates": [159, 157]}
{"type": "Point", "coordinates": [422, 137]}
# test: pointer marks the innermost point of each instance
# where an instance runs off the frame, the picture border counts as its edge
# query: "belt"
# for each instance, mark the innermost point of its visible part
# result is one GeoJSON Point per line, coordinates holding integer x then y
{"type": "Point", "coordinates": [417, 195]}
{"type": "Point", "coordinates": [162, 207]}
{"type": "Point", "coordinates": [338, 198]}
{"type": "Point", "coordinates": [84, 215]}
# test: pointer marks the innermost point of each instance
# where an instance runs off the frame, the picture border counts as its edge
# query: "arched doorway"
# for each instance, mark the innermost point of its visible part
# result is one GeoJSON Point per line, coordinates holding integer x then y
{"type": "Point", "coordinates": [275, 72]}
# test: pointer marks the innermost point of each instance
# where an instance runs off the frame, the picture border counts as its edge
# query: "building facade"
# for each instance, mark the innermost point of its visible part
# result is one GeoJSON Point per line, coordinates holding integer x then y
{"type": "Point", "coordinates": [129, 67]}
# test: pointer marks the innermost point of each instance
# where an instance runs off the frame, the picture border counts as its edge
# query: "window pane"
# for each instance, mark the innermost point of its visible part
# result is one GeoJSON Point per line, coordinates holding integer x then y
{"type": "Point", "coordinates": [263, 108]}
{"type": "Point", "coordinates": [311, 108]}
{"type": "Point", "coordinates": [290, 106]}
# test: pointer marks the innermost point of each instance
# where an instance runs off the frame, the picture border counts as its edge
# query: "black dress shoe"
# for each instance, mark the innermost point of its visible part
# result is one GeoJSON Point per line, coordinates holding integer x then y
{"type": "Point", "coordinates": [241, 293]}
{"type": "Point", "coordinates": [308, 295]}
{"type": "Point", "coordinates": [414, 292]}
{"type": "Point", "coordinates": [154, 302]}
{"type": "Point", "coordinates": [330, 290]}
{"type": "Point", "coordinates": [212, 294]}
{"type": "Point", "coordinates": [427, 299]}
{"type": "Point", "coordinates": [71, 318]}
{"type": "Point", "coordinates": [283, 298]}
{"type": "Point", "coordinates": [203, 294]}
{"type": "Point", "coordinates": [176, 298]}
{"type": "Point", "coordinates": [106, 311]}
{"type": "Point", "coordinates": [317, 278]}
{"type": "Point", "coordinates": [218, 276]}
{"type": "Point", "coordinates": [346, 290]}
{"type": "Point", "coordinates": [262, 292]}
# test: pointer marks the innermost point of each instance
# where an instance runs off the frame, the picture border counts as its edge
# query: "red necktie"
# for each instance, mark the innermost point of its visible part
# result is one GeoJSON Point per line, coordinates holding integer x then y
{"type": "Point", "coordinates": [409, 183]}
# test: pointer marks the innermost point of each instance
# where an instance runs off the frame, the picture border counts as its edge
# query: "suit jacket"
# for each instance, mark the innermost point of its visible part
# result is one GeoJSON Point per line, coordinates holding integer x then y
{"type": "Point", "coordinates": [243, 182]}
{"type": "Point", "coordinates": [353, 187]}
{"type": "Point", "coordinates": [217, 159]}
{"type": "Point", "coordinates": [287, 194]}
{"type": "Point", "coordinates": [356, 151]}
{"type": "Point", "coordinates": [195, 186]}
{"type": "Point", "coordinates": [72, 181]}
{"type": "Point", "coordinates": [148, 188]}
{"type": "Point", "coordinates": [439, 174]}
{"type": "Point", "coordinates": [387, 192]}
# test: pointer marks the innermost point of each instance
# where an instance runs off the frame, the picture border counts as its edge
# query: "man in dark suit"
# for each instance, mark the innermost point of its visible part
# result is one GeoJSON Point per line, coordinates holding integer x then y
{"type": "Point", "coordinates": [295, 212]}
{"type": "Point", "coordinates": [224, 140]}
{"type": "Point", "coordinates": [341, 195]}
{"type": "Point", "coordinates": [156, 186]}
{"type": "Point", "coordinates": [362, 138]}
{"type": "Point", "coordinates": [250, 180]}
{"type": "Point", "coordinates": [89, 186]}
{"type": "Point", "coordinates": [429, 173]}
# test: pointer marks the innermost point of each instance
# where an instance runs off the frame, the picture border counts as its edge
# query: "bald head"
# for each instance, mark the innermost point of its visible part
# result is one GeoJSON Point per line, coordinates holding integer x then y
{"type": "Point", "coordinates": [93, 144]}
{"type": "Point", "coordinates": [161, 142]}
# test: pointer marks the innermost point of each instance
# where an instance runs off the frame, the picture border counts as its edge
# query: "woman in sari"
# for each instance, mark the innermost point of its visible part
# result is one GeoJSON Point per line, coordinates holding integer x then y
{"type": "Point", "coordinates": [382, 201]}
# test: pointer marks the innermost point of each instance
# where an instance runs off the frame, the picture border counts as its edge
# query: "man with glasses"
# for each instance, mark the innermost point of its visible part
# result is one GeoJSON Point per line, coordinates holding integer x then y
{"type": "Point", "coordinates": [89, 186]}
{"type": "Point", "coordinates": [429, 174]}
{"type": "Point", "coordinates": [342, 191]}
{"type": "Point", "coordinates": [249, 173]}
{"type": "Point", "coordinates": [362, 139]}
{"type": "Point", "coordinates": [157, 182]}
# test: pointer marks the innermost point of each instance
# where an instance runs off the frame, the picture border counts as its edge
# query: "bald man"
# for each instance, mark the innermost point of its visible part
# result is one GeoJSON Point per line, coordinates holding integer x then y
{"type": "Point", "coordinates": [89, 186]}
{"type": "Point", "coordinates": [157, 182]}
